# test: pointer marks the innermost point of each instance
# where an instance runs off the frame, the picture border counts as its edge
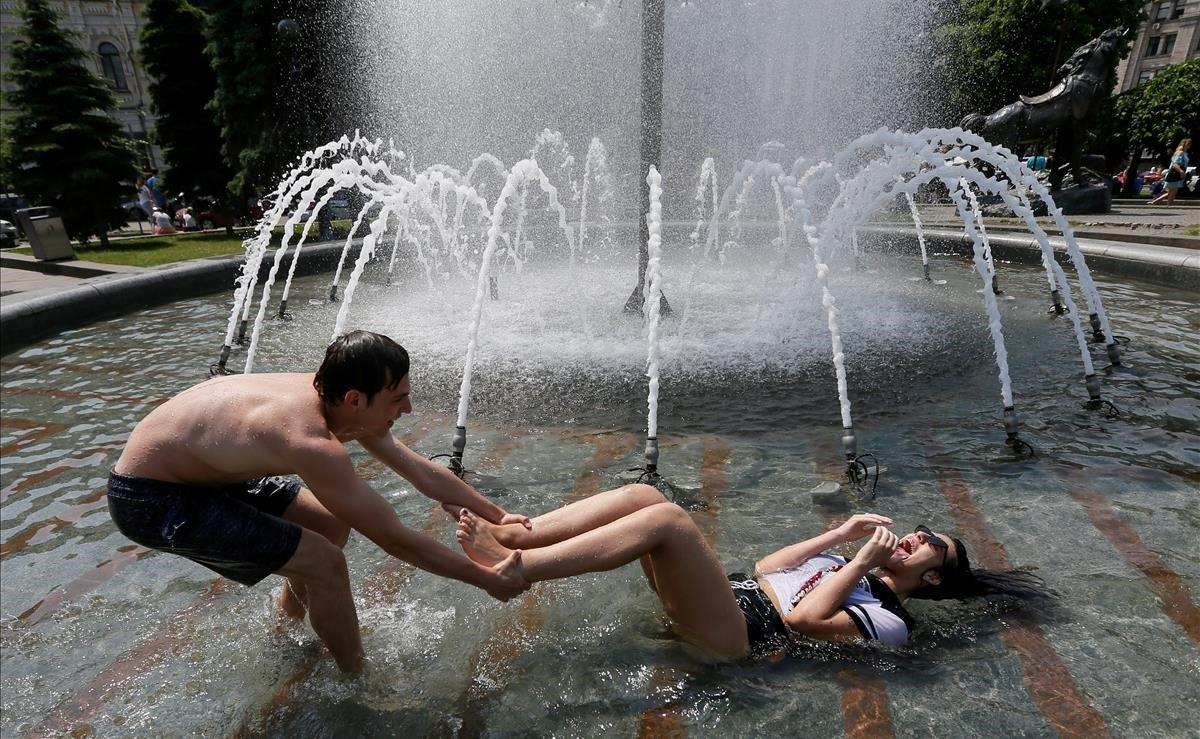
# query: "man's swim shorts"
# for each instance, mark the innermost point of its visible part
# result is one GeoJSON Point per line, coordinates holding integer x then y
{"type": "Point", "coordinates": [236, 530]}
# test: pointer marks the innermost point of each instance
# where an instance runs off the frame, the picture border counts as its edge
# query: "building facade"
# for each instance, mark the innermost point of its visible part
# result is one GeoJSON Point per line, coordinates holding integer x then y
{"type": "Point", "coordinates": [108, 31]}
{"type": "Point", "coordinates": [1170, 34]}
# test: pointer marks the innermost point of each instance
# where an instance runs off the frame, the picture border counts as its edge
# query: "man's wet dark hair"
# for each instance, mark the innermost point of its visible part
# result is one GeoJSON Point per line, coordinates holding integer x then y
{"type": "Point", "coordinates": [362, 361]}
{"type": "Point", "coordinates": [959, 582]}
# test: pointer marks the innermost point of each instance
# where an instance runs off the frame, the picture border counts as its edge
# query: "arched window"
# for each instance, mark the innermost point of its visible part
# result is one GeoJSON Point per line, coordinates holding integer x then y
{"type": "Point", "coordinates": [110, 65]}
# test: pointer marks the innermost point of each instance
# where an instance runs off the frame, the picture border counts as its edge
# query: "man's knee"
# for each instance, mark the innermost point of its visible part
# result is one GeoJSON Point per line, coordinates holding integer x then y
{"type": "Point", "coordinates": [318, 563]}
{"type": "Point", "coordinates": [338, 534]}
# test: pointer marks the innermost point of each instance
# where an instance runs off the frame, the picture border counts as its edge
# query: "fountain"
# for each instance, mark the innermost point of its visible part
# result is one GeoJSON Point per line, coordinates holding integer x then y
{"type": "Point", "coordinates": [802, 347]}
{"type": "Point", "coordinates": [826, 203]}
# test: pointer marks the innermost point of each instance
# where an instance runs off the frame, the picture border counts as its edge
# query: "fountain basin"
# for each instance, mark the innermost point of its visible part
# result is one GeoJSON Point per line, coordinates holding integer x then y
{"type": "Point", "coordinates": [126, 642]}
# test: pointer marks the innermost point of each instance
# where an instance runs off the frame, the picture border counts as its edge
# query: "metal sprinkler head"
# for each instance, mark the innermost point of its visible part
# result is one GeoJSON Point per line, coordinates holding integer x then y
{"type": "Point", "coordinates": [652, 454]}
{"type": "Point", "coordinates": [1114, 354]}
{"type": "Point", "coordinates": [1097, 330]}
{"type": "Point", "coordinates": [849, 442]}
{"type": "Point", "coordinates": [459, 446]}
{"type": "Point", "coordinates": [1056, 306]}
{"type": "Point", "coordinates": [925, 270]}
{"type": "Point", "coordinates": [333, 293]}
{"type": "Point", "coordinates": [219, 368]}
{"type": "Point", "coordinates": [1093, 386]}
{"type": "Point", "coordinates": [1012, 425]}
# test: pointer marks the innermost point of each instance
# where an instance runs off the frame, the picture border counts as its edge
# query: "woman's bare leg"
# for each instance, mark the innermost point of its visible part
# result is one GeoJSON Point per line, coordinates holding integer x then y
{"type": "Point", "coordinates": [687, 577]}
{"type": "Point", "coordinates": [574, 519]}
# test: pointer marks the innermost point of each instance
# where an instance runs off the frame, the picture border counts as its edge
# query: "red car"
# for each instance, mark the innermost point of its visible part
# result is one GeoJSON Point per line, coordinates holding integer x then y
{"type": "Point", "coordinates": [214, 218]}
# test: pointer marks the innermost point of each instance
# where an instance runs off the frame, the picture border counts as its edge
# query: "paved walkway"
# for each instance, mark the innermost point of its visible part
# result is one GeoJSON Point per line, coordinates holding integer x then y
{"type": "Point", "coordinates": [1169, 226]}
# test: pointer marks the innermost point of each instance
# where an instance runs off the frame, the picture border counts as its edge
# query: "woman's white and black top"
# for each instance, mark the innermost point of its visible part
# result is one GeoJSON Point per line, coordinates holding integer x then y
{"type": "Point", "coordinates": [872, 605]}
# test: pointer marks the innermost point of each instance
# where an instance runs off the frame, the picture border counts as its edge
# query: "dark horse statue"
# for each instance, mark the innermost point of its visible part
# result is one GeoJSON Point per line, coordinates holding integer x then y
{"type": "Point", "coordinates": [1080, 87]}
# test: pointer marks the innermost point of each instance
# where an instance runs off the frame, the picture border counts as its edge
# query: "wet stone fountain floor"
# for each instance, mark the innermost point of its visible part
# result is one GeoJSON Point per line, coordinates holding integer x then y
{"type": "Point", "coordinates": [98, 633]}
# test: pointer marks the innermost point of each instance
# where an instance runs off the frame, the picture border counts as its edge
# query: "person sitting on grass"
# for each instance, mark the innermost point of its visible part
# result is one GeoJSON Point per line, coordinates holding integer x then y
{"type": "Point", "coordinates": [797, 591]}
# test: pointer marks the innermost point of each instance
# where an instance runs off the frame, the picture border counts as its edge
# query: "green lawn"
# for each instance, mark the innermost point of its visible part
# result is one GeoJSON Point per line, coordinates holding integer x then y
{"type": "Point", "coordinates": [155, 250]}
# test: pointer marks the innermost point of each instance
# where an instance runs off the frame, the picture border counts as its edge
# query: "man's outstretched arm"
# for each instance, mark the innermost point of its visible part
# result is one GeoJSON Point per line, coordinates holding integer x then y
{"type": "Point", "coordinates": [435, 481]}
{"type": "Point", "coordinates": [328, 472]}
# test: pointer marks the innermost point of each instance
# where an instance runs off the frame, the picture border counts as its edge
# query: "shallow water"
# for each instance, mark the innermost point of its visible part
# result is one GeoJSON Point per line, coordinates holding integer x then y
{"type": "Point", "coordinates": [98, 632]}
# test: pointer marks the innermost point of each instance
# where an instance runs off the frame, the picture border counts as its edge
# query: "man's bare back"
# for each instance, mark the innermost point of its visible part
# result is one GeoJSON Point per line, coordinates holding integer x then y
{"type": "Point", "coordinates": [227, 430]}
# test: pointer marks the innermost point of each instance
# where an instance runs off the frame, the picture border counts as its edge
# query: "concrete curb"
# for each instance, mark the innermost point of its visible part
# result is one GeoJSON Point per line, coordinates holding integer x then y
{"type": "Point", "coordinates": [25, 321]}
{"type": "Point", "coordinates": [1163, 265]}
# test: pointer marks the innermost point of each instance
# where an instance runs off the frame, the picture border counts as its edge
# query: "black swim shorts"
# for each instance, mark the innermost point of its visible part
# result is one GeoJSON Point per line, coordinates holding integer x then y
{"type": "Point", "coordinates": [764, 627]}
{"type": "Point", "coordinates": [236, 531]}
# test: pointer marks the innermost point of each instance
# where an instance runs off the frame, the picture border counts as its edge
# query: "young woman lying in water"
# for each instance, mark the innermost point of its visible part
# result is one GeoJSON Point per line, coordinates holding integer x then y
{"type": "Point", "coordinates": [800, 590]}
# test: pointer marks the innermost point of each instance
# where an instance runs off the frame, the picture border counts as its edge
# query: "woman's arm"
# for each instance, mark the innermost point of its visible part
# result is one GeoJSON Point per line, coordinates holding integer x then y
{"type": "Point", "coordinates": [855, 528]}
{"type": "Point", "coordinates": [819, 613]}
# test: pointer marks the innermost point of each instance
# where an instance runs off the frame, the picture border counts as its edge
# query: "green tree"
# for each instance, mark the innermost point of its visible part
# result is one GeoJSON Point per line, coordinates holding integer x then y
{"type": "Point", "coordinates": [65, 149]}
{"type": "Point", "coordinates": [279, 93]}
{"type": "Point", "coordinates": [1165, 109]}
{"type": "Point", "coordinates": [182, 86]}
{"type": "Point", "coordinates": [995, 50]}
{"type": "Point", "coordinates": [1155, 115]}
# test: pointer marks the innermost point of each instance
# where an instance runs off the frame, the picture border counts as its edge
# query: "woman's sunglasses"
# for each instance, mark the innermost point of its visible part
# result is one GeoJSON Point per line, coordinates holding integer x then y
{"type": "Point", "coordinates": [935, 540]}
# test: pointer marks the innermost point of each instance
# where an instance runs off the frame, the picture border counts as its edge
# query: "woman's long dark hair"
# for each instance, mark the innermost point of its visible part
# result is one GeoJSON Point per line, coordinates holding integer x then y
{"type": "Point", "coordinates": [959, 582]}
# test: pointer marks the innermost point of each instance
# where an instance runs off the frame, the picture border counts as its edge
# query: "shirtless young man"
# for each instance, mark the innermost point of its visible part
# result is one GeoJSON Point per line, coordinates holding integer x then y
{"type": "Point", "coordinates": [195, 479]}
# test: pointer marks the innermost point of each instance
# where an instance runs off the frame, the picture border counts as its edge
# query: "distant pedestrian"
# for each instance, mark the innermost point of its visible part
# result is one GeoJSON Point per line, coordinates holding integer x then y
{"type": "Point", "coordinates": [145, 197]}
{"type": "Point", "coordinates": [1176, 173]}
{"type": "Point", "coordinates": [154, 182]}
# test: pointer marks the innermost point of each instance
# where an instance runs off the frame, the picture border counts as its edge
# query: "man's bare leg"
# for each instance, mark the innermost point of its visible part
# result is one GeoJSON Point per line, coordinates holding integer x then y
{"type": "Point", "coordinates": [574, 519]}
{"type": "Point", "coordinates": [687, 577]}
{"type": "Point", "coordinates": [308, 512]}
{"type": "Point", "coordinates": [319, 567]}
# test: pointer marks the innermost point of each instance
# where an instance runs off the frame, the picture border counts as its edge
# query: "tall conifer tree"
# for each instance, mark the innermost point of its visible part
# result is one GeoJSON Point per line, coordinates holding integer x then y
{"type": "Point", "coordinates": [65, 150]}
{"type": "Point", "coordinates": [182, 86]}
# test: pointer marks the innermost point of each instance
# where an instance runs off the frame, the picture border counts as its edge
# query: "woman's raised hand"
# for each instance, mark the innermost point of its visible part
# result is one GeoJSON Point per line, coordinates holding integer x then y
{"type": "Point", "coordinates": [861, 525]}
{"type": "Point", "coordinates": [879, 550]}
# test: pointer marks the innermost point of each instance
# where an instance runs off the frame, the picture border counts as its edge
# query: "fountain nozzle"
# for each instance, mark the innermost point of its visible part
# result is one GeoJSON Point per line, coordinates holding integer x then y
{"type": "Point", "coordinates": [219, 367]}
{"type": "Point", "coordinates": [1097, 331]}
{"type": "Point", "coordinates": [849, 442]}
{"type": "Point", "coordinates": [333, 293]}
{"type": "Point", "coordinates": [652, 455]}
{"type": "Point", "coordinates": [459, 446]}
{"type": "Point", "coordinates": [1056, 306]}
{"type": "Point", "coordinates": [241, 339]}
{"type": "Point", "coordinates": [283, 315]}
{"type": "Point", "coordinates": [1114, 354]}
{"type": "Point", "coordinates": [1095, 402]}
{"type": "Point", "coordinates": [1012, 427]}
{"type": "Point", "coordinates": [925, 269]}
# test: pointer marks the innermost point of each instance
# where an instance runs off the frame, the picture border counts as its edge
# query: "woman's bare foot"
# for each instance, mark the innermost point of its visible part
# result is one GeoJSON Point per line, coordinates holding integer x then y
{"type": "Point", "coordinates": [508, 535]}
{"type": "Point", "coordinates": [478, 541]}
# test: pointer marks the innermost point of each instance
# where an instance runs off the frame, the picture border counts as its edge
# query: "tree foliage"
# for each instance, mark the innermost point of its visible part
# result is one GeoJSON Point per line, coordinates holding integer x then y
{"type": "Point", "coordinates": [995, 50]}
{"type": "Point", "coordinates": [182, 86]}
{"type": "Point", "coordinates": [1160, 112]}
{"type": "Point", "coordinates": [278, 95]}
{"type": "Point", "coordinates": [65, 151]}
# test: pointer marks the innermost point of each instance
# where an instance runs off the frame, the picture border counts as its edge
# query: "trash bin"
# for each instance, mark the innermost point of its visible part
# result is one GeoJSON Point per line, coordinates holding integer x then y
{"type": "Point", "coordinates": [46, 234]}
